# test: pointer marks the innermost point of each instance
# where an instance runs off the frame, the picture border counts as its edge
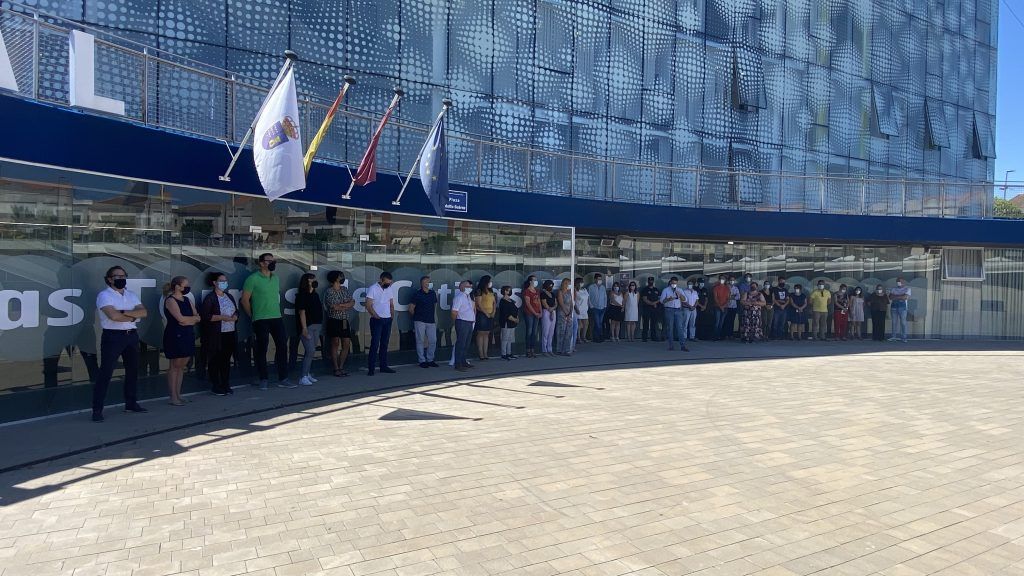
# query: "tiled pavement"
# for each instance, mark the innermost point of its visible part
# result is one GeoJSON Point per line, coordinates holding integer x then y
{"type": "Point", "coordinates": [897, 460]}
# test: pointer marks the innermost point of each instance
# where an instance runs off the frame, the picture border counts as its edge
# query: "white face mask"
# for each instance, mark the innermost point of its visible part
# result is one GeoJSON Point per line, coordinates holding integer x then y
{"type": "Point", "coordinates": [689, 286]}
{"type": "Point", "coordinates": [600, 282]}
{"type": "Point", "coordinates": [721, 281]}
{"type": "Point", "coordinates": [534, 283]}
{"type": "Point", "coordinates": [345, 283]}
{"type": "Point", "coordinates": [673, 285]}
{"type": "Point", "coordinates": [430, 286]}
{"type": "Point", "coordinates": [616, 289]}
{"type": "Point", "coordinates": [467, 290]}
{"type": "Point", "coordinates": [899, 284]}
{"type": "Point", "coordinates": [798, 290]}
{"type": "Point", "coordinates": [842, 290]}
{"type": "Point", "coordinates": [821, 286]}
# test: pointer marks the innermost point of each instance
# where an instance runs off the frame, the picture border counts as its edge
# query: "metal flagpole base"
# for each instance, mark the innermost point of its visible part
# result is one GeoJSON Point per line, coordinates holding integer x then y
{"type": "Point", "coordinates": [224, 178]}
{"type": "Point", "coordinates": [396, 203]}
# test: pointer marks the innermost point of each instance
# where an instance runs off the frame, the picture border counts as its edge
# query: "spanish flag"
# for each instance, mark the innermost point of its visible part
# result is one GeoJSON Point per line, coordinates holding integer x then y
{"type": "Point", "coordinates": [322, 132]}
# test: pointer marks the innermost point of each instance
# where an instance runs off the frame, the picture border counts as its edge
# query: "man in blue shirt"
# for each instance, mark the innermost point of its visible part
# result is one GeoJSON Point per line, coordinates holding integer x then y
{"type": "Point", "coordinates": [422, 306]}
{"type": "Point", "coordinates": [598, 302]}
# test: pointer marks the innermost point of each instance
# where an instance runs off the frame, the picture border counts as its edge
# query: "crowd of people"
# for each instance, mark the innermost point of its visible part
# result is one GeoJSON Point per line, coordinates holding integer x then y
{"type": "Point", "coordinates": [555, 319]}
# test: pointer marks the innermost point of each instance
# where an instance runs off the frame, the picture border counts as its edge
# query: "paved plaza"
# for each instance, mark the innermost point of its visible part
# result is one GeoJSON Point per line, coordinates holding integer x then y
{"type": "Point", "coordinates": [900, 460]}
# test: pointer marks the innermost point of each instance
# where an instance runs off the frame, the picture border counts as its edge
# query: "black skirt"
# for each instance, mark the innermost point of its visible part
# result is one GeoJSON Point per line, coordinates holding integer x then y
{"type": "Point", "coordinates": [338, 328]}
{"type": "Point", "coordinates": [616, 313]}
{"type": "Point", "coordinates": [483, 323]}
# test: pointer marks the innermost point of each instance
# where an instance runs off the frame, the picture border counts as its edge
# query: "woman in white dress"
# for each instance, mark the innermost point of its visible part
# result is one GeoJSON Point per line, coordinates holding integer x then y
{"type": "Point", "coordinates": [632, 311]}
{"type": "Point", "coordinates": [582, 307]}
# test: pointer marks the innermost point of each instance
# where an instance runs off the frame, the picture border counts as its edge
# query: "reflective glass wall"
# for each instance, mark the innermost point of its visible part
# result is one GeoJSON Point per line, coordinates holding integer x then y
{"type": "Point", "coordinates": [850, 88]}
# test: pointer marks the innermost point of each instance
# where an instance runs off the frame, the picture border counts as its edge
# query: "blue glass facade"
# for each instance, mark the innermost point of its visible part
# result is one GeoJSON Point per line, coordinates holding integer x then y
{"type": "Point", "coordinates": [866, 88]}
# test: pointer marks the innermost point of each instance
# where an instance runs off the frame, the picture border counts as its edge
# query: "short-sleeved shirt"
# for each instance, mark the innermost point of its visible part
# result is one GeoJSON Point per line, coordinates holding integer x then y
{"type": "Point", "coordinates": [265, 295]}
{"type": "Point", "coordinates": [734, 296]}
{"type": "Point", "coordinates": [531, 299]}
{"type": "Point", "coordinates": [690, 297]}
{"type": "Point", "coordinates": [311, 304]}
{"type": "Point", "coordinates": [904, 291]}
{"type": "Point", "coordinates": [820, 300]}
{"type": "Point", "coordinates": [548, 298]}
{"type": "Point", "coordinates": [425, 303]}
{"type": "Point", "coordinates": [650, 293]}
{"type": "Point", "coordinates": [382, 298]}
{"type": "Point", "coordinates": [780, 294]}
{"type": "Point", "coordinates": [122, 302]}
{"type": "Point", "coordinates": [507, 309]}
{"type": "Point", "coordinates": [334, 297]}
{"type": "Point", "coordinates": [227, 308]}
{"type": "Point", "coordinates": [462, 304]}
{"type": "Point", "coordinates": [582, 303]}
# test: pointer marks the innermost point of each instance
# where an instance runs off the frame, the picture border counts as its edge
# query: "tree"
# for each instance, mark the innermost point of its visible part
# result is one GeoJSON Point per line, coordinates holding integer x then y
{"type": "Point", "coordinates": [1006, 209]}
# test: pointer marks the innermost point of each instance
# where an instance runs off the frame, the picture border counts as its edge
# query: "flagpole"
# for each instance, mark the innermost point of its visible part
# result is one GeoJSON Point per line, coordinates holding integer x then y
{"type": "Point", "coordinates": [394, 102]}
{"type": "Point", "coordinates": [290, 58]}
{"type": "Point", "coordinates": [322, 132]}
{"type": "Point", "coordinates": [446, 104]}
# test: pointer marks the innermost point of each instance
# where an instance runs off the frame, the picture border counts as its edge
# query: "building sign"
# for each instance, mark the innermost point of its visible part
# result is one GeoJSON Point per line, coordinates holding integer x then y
{"type": "Point", "coordinates": [457, 202]}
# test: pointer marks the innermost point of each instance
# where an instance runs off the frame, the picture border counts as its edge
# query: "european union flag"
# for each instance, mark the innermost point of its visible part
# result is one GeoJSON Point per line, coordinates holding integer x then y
{"type": "Point", "coordinates": [434, 167]}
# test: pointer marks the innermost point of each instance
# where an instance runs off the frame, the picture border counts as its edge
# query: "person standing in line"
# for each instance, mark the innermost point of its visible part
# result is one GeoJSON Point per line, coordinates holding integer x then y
{"type": "Point", "coordinates": [689, 306]}
{"type": "Point", "coordinates": [422, 309]}
{"type": "Point", "coordinates": [464, 315]}
{"type": "Point", "coordinates": [563, 318]}
{"type": "Point", "coordinates": [532, 311]}
{"type": "Point", "coordinates": [339, 304]}
{"type": "Point", "coordinates": [508, 319]}
{"type": "Point", "coordinates": [768, 310]}
{"type": "Point", "coordinates": [797, 313]}
{"type": "Point", "coordinates": [179, 334]}
{"type": "Point", "coordinates": [819, 308]}
{"type": "Point", "coordinates": [752, 303]}
{"type": "Point", "coordinates": [615, 314]}
{"type": "Point", "coordinates": [119, 309]}
{"type": "Point", "coordinates": [486, 307]}
{"type": "Point", "coordinates": [841, 311]}
{"type": "Point", "coordinates": [650, 301]}
{"type": "Point", "coordinates": [582, 311]}
{"type": "Point", "coordinates": [632, 311]}
{"type": "Point", "coordinates": [380, 303]}
{"type": "Point", "coordinates": [261, 300]}
{"type": "Point", "coordinates": [721, 295]}
{"type": "Point", "coordinates": [671, 299]}
{"type": "Point", "coordinates": [878, 303]}
{"type": "Point", "coordinates": [857, 314]}
{"type": "Point", "coordinates": [744, 286]}
{"type": "Point", "coordinates": [780, 315]}
{"type": "Point", "coordinates": [732, 310]}
{"type": "Point", "coordinates": [705, 311]}
{"type": "Point", "coordinates": [899, 296]}
{"type": "Point", "coordinates": [549, 303]}
{"type": "Point", "coordinates": [598, 304]}
{"type": "Point", "coordinates": [219, 313]}
{"type": "Point", "coordinates": [309, 319]}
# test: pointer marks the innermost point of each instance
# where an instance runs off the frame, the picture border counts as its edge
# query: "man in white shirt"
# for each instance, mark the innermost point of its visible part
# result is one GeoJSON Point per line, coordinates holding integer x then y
{"type": "Point", "coordinates": [672, 300]}
{"type": "Point", "coordinates": [119, 310]}
{"type": "Point", "coordinates": [464, 314]}
{"type": "Point", "coordinates": [689, 303]}
{"type": "Point", "coordinates": [380, 303]}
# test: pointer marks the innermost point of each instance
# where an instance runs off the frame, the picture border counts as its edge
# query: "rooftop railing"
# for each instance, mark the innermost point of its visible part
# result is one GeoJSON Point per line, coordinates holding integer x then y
{"type": "Point", "coordinates": [163, 90]}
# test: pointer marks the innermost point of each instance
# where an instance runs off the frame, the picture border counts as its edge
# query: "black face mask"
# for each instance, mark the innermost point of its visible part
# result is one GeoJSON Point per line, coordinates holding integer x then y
{"type": "Point", "coordinates": [186, 290]}
{"type": "Point", "coordinates": [119, 283]}
{"type": "Point", "coordinates": [315, 284]}
{"type": "Point", "coordinates": [272, 266]}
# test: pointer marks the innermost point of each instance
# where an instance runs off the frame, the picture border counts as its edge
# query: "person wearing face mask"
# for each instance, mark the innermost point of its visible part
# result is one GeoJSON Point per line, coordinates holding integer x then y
{"type": "Point", "coordinates": [819, 311]}
{"type": "Point", "coordinates": [486, 308]}
{"type": "Point", "coordinates": [179, 334]}
{"type": "Point", "coordinates": [732, 310]}
{"type": "Point", "coordinates": [565, 303]}
{"type": "Point", "coordinates": [797, 313]}
{"type": "Point", "coordinates": [878, 304]}
{"type": "Point", "coordinates": [120, 309]}
{"type": "Point", "coordinates": [532, 312]}
{"type": "Point", "coordinates": [309, 318]}
{"type": "Point", "coordinates": [615, 310]}
{"type": "Point", "coordinates": [422, 307]}
{"type": "Point", "coordinates": [508, 319]}
{"type": "Point", "coordinates": [744, 285]}
{"type": "Point", "coordinates": [261, 300]}
{"type": "Point", "coordinates": [705, 311]}
{"type": "Point", "coordinates": [781, 304]}
{"type": "Point", "coordinates": [598, 304]}
{"type": "Point", "coordinates": [672, 300]}
{"type": "Point", "coordinates": [841, 312]}
{"type": "Point", "coordinates": [650, 301]}
{"type": "Point", "coordinates": [549, 317]}
{"type": "Point", "coordinates": [767, 312]}
{"type": "Point", "coordinates": [899, 297]}
{"type": "Point", "coordinates": [464, 315]}
{"type": "Point", "coordinates": [582, 311]}
{"type": "Point", "coordinates": [339, 304]}
{"type": "Point", "coordinates": [721, 295]}
{"type": "Point", "coordinates": [631, 313]}
{"type": "Point", "coordinates": [857, 314]}
{"type": "Point", "coordinates": [218, 313]}
{"type": "Point", "coordinates": [689, 306]}
{"type": "Point", "coordinates": [380, 303]}
{"type": "Point", "coordinates": [750, 325]}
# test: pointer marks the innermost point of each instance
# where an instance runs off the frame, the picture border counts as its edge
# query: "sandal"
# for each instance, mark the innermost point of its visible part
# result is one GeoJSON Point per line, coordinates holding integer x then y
{"type": "Point", "coordinates": [176, 403]}
{"type": "Point", "coordinates": [339, 373]}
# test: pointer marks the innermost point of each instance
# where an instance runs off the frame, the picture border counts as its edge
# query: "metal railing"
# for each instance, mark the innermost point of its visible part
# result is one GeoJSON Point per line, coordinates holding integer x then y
{"type": "Point", "coordinates": [162, 90]}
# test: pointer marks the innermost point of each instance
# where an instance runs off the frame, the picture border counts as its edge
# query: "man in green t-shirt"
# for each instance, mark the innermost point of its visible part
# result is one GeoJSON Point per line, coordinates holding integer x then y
{"type": "Point", "coordinates": [261, 300]}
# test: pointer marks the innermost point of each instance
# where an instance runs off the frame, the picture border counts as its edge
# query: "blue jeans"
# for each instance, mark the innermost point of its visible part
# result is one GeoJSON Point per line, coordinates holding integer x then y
{"type": "Point", "coordinates": [899, 323]}
{"type": "Point", "coordinates": [689, 323]}
{"type": "Point", "coordinates": [779, 322]}
{"type": "Point", "coordinates": [532, 325]}
{"type": "Point", "coordinates": [674, 323]}
{"type": "Point", "coordinates": [380, 335]}
{"type": "Point", "coordinates": [597, 321]}
{"type": "Point", "coordinates": [720, 315]}
{"type": "Point", "coordinates": [463, 336]}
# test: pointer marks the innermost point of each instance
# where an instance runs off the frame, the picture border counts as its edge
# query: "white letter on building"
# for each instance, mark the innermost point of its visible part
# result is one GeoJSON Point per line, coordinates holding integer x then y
{"type": "Point", "coordinates": [73, 312]}
{"type": "Point", "coordinates": [83, 76]}
{"type": "Point", "coordinates": [7, 79]}
{"type": "Point", "coordinates": [29, 317]}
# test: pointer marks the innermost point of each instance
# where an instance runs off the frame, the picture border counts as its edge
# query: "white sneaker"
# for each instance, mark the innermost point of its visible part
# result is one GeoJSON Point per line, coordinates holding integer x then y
{"type": "Point", "coordinates": [311, 379]}
{"type": "Point", "coordinates": [305, 381]}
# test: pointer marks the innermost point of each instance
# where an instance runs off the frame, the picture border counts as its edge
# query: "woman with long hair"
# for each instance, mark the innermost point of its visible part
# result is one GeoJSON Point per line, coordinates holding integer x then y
{"type": "Point", "coordinates": [632, 311]}
{"type": "Point", "coordinates": [616, 305]}
{"type": "Point", "coordinates": [309, 318]}
{"type": "Point", "coordinates": [532, 312]}
{"type": "Point", "coordinates": [563, 317]}
{"type": "Point", "coordinates": [179, 334]}
{"type": "Point", "coordinates": [486, 306]}
{"type": "Point", "coordinates": [549, 303]}
{"type": "Point", "coordinates": [219, 313]}
{"type": "Point", "coordinates": [339, 303]}
{"type": "Point", "coordinates": [752, 304]}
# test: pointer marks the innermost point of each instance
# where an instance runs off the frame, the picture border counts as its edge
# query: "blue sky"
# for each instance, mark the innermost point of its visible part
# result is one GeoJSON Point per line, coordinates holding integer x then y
{"type": "Point", "coordinates": [1010, 78]}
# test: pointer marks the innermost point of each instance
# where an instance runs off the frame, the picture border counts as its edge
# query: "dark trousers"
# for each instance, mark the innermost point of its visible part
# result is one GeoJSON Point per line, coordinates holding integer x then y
{"type": "Point", "coordinates": [380, 335]}
{"type": "Point", "coordinates": [720, 316]}
{"type": "Point", "coordinates": [729, 328]}
{"type": "Point", "coordinates": [597, 324]}
{"type": "Point", "coordinates": [114, 344]}
{"type": "Point", "coordinates": [264, 331]}
{"type": "Point", "coordinates": [779, 322]}
{"type": "Point", "coordinates": [463, 337]}
{"type": "Point", "coordinates": [878, 325]}
{"type": "Point", "coordinates": [219, 367]}
{"type": "Point", "coordinates": [648, 322]}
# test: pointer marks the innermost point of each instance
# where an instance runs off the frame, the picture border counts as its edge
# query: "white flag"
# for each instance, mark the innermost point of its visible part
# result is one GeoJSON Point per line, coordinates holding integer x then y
{"type": "Point", "coordinates": [278, 146]}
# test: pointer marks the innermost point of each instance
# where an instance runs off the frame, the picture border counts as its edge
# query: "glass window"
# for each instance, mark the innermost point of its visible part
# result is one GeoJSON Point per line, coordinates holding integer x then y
{"type": "Point", "coordinates": [937, 134]}
{"type": "Point", "coordinates": [748, 80]}
{"type": "Point", "coordinates": [984, 144]}
{"type": "Point", "coordinates": [885, 111]}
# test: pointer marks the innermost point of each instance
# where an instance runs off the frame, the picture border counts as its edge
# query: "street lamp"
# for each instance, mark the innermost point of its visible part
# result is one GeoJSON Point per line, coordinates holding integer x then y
{"type": "Point", "coordinates": [1006, 182]}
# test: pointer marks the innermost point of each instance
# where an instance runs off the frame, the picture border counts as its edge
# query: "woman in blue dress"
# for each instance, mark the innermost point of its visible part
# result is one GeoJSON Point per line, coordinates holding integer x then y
{"type": "Point", "coordinates": [797, 313]}
{"type": "Point", "coordinates": [179, 333]}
